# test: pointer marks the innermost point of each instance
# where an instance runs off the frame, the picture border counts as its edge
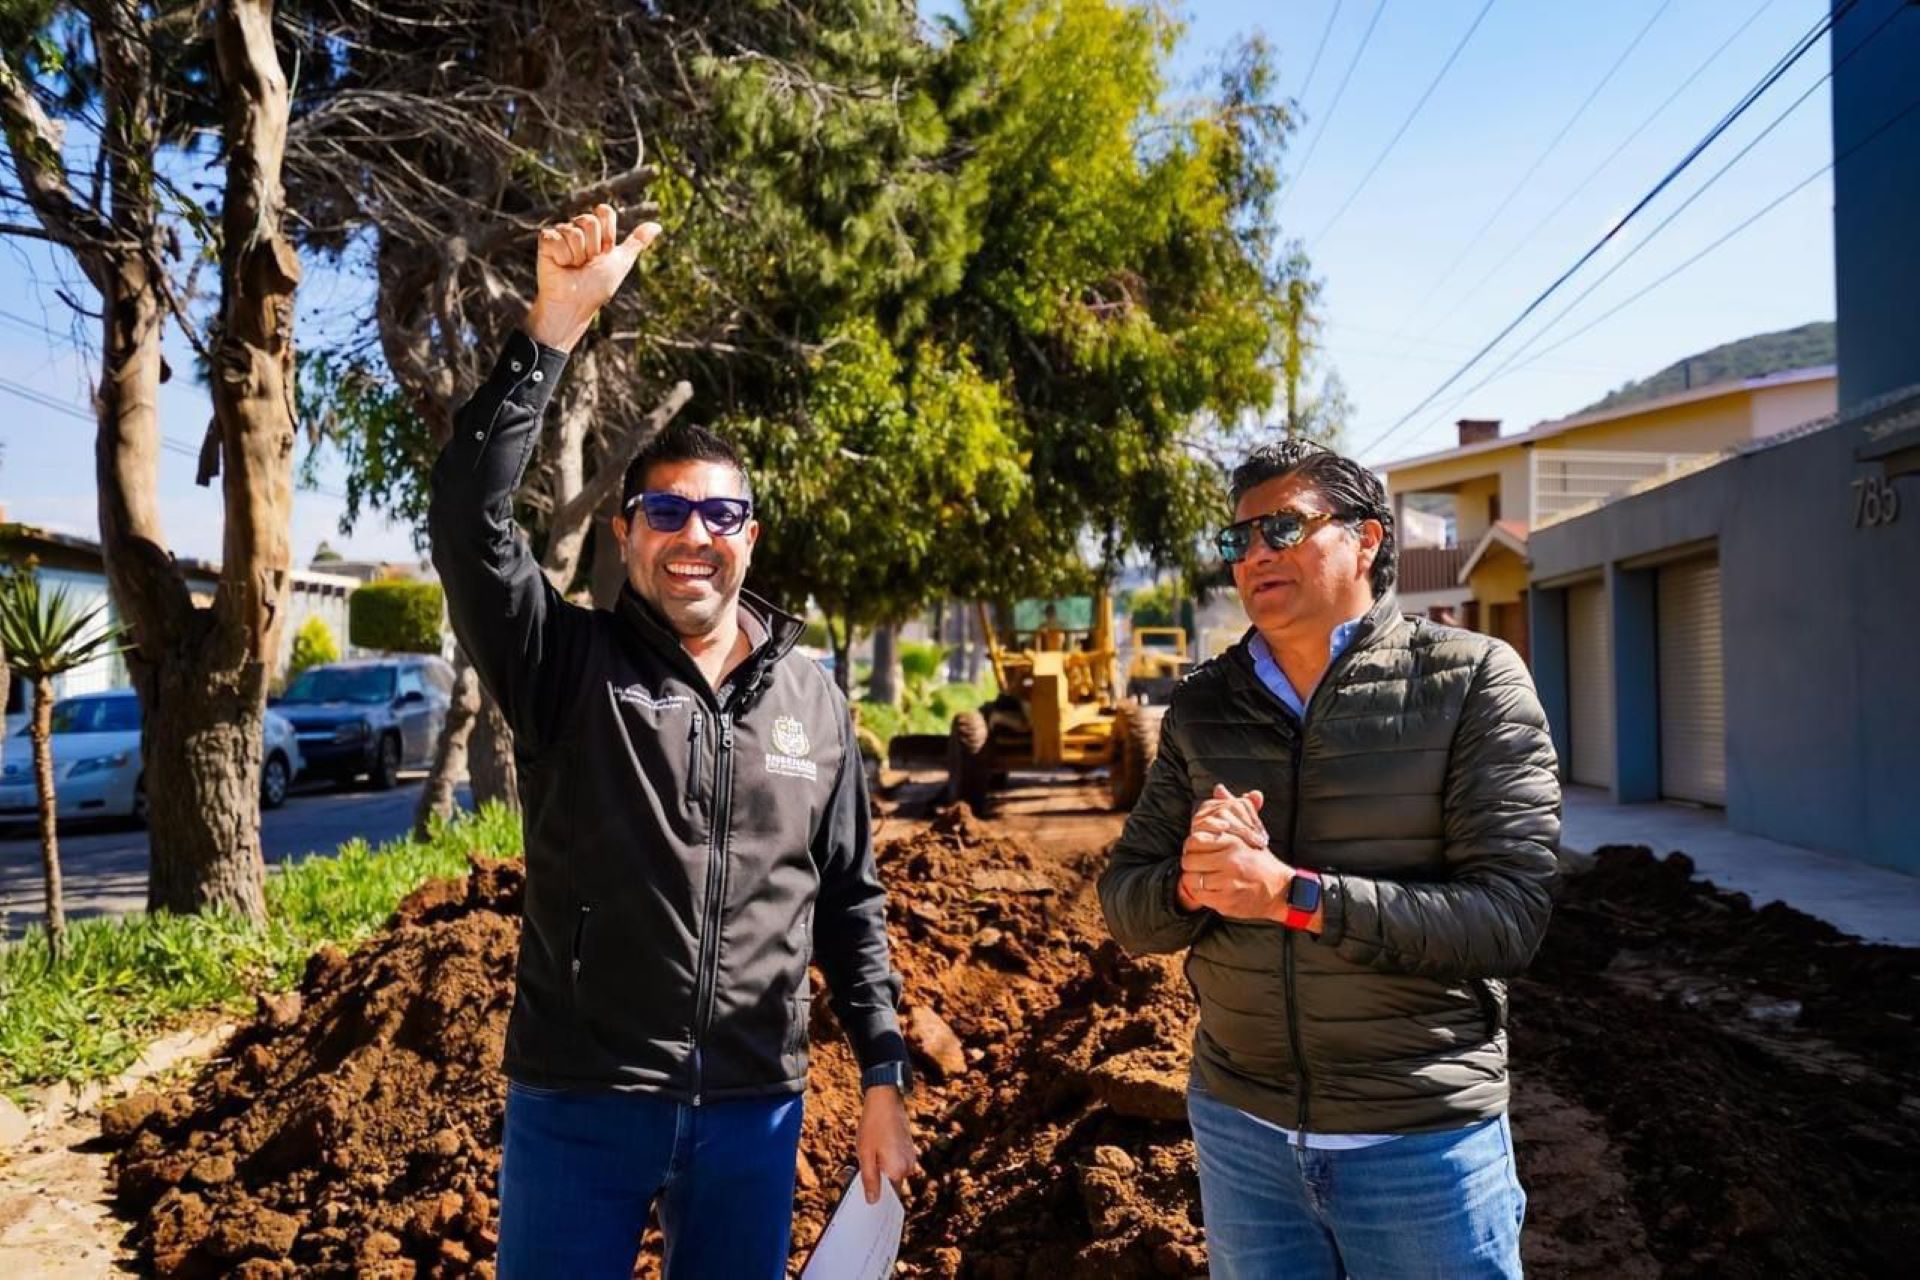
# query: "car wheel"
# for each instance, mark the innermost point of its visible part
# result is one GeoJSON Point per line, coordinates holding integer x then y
{"type": "Point", "coordinates": [386, 764]}
{"type": "Point", "coordinates": [274, 781]}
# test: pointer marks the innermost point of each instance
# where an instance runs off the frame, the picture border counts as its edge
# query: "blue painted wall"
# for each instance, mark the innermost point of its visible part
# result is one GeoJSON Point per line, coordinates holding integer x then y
{"type": "Point", "coordinates": [1876, 192]}
{"type": "Point", "coordinates": [1821, 625]}
{"type": "Point", "coordinates": [1636, 685]}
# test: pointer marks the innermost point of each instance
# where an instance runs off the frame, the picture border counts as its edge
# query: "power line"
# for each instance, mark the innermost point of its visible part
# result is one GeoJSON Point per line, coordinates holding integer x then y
{"type": "Point", "coordinates": [1780, 68]}
{"type": "Point", "coordinates": [1404, 125]}
{"type": "Point", "coordinates": [177, 447]}
{"type": "Point", "coordinates": [1520, 360]}
{"type": "Point", "coordinates": [1758, 214]}
{"type": "Point", "coordinates": [1333, 106]}
{"type": "Point", "coordinates": [1461, 299]}
{"type": "Point", "coordinates": [1314, 66]}
{"type": "Point", "coordinates": [1505, 202]}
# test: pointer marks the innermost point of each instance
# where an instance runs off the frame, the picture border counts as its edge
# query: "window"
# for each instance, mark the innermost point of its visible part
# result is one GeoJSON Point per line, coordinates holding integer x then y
{"type": "Point", "coordinates": [96, 715]}
{"type": "Point", "coordinates": [366, 685]}
{"type": "Point", "coordinates": [1493, 508]}
{"type": "Point", "coordinates": [410, 683]}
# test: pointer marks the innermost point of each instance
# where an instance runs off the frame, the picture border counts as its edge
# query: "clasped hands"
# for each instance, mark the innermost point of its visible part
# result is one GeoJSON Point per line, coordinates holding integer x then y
{"type": "Point", "coordinates": [1226, 864]}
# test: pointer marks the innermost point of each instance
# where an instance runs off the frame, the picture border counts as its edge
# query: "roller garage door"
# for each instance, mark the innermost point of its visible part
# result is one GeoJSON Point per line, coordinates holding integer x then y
{"type": "Point", "coordinates": [1590, 685]}
{"type": "Point", "coordinates": [1693, 700]}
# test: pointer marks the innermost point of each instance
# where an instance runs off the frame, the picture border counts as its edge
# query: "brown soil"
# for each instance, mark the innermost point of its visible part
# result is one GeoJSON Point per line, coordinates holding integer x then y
{"type": "Point", "coordinates": [1671, 1118]}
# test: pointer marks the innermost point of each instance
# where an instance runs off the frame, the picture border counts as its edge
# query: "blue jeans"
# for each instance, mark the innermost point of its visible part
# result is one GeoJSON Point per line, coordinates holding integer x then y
{"type": "Point", "coordinates": [579, 1173]}
{"type": "Point", "coordinates": [1446, 1205]}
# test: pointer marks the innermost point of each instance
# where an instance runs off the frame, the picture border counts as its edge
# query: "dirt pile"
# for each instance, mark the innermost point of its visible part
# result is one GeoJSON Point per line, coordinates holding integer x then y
{"type": "Point", "coordinates": [1754, 1073]}
{"type": "Point", "coordinates": [1701, 1089]}
{"type": "Point", "coordinates": [353, 1127]}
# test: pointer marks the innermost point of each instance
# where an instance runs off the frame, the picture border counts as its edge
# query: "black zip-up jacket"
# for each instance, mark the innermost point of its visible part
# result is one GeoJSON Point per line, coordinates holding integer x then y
{"type": "Point", "coordinates": [1423, 789]}
{"type": "Point", "coordinates": [688, 850]}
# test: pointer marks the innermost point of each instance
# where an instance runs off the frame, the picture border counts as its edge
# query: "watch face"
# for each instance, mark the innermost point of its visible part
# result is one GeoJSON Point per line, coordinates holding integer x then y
{"type": "Point", "coordinates": [1303, 894]}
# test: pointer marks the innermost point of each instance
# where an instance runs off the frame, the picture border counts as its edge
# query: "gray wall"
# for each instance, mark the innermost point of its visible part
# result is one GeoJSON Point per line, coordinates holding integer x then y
{"type": "Point", "coordinates": [1876, 192]}
{"type": "Point", "coordinates": [1822, 624]}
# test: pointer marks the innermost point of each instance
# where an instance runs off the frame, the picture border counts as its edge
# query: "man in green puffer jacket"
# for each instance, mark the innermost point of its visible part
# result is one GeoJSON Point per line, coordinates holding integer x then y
{"type": "Point", "coordinates": [1350, 830]}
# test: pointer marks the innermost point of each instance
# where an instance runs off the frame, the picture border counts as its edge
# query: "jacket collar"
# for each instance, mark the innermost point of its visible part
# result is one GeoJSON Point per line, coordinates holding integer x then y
{"type": "Point", "coordinates": [1376, 624]}
{"type": "Point", "coordinates": [781, 629]}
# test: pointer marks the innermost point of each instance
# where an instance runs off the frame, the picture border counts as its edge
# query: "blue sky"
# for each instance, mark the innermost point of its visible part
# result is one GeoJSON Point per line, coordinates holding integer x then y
{"type": "Point", "coordinates": [1403, 269]}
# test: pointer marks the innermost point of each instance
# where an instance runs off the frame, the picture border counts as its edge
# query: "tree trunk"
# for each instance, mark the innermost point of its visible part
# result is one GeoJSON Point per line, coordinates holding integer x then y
{"type": "Point", "coordinates": [437, 798]}
{"type": "Point", "coordinates": [841, 641]}
{"type": "Point", "coordinates": [976, 644]}
{"type": "Point", "coordinates": [609, 566]}
{"type": "Point", "coordinates": [200, 671]}
{"type": "Point", "coordinates": [200, 766]}
{"type": "Point", "coordinates": [883, 682]}
{"type": "Point", "coordinates": [49, 810]}
{"type": "Point", "coordinates": [491, 770]}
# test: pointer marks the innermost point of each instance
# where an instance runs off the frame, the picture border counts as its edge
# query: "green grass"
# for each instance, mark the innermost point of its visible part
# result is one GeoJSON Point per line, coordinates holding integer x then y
{"type": "Point", "coordinates": [122, 981]}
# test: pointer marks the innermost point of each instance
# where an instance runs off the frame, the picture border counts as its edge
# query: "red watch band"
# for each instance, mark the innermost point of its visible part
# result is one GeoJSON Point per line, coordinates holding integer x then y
{"type": "Point", "coordinates": [1299, 917]}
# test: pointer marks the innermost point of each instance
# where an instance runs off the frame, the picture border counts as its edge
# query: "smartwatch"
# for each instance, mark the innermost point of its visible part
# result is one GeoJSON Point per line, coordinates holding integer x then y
{"type": "Point", "coordinates": [1303, 898]}
{"type": "Point", "coordinates": [894, 1073]}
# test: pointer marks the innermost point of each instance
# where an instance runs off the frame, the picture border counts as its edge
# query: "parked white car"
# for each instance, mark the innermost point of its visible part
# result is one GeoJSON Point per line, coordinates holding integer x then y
{"type": "Point", "coordinates": [96, 761]}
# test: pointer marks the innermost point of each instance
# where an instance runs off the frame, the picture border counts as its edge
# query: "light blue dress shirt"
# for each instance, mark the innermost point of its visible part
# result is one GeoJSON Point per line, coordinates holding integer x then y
{"type": "Point", "coordinates": [1268, 669]}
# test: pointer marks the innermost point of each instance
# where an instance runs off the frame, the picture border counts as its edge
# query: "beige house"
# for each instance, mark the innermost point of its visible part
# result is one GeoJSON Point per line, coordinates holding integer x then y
{"type": "Point", "coordinates": [1501, 487]}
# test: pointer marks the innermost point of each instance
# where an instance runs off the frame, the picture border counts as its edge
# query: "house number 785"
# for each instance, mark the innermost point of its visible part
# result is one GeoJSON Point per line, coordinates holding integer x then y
{"type": "Point", "coordinates": [1875, 502]}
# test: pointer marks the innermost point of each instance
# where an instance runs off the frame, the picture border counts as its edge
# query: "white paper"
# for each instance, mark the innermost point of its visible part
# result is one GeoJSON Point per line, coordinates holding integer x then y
{"type": "Point", "coordinates": [861, 1239]}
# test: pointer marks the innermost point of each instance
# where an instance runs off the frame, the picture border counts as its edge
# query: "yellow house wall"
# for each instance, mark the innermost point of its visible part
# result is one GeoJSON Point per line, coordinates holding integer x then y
{"type": "Point", "coordinates": [1499, 578]}
{"type": "Point", "coordinates": [1706, 426]}
{"type": "Point", "coordinates": [1470, 509]}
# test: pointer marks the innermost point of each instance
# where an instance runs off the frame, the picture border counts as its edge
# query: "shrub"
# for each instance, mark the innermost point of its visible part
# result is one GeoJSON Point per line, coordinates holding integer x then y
{"type": "Point", "coordinates": [396, 617]}
{"type": "Point", "coordinates": [313, 645]}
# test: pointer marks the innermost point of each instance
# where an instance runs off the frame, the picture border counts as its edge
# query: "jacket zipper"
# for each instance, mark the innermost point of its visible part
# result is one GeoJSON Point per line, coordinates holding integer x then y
{"type": "Point", "coordinates": [716, 876]}
{"type": "Point", "coordinates": [693, 755]}
{"type": "Point", "coordinates": [579, 940]}
{"type": "Point", "coordinates": [1286, 949]}
{"type": "Point", "coordinates": [1299, 749]}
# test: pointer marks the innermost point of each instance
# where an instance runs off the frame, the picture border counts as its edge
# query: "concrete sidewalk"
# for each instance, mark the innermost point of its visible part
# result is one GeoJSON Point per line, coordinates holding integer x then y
{"type": "Point", "coordinates": [1869, 902]}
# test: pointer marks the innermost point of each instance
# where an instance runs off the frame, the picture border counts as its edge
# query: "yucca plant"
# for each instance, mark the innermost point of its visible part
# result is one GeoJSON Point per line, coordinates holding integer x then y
{"type": "Point", "coordinates": [45, 635]}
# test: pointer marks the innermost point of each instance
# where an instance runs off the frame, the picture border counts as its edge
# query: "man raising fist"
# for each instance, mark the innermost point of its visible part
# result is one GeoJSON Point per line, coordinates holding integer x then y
{"type": "Point", "coordinates": [696, 827]}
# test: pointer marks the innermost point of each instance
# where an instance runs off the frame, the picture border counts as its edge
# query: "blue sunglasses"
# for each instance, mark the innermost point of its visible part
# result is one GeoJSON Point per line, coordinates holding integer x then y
{"type": "Point", "coordinates": [668, 512]}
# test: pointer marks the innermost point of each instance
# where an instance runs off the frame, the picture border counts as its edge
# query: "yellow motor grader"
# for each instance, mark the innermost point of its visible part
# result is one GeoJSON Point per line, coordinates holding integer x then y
{"type": "Point", "coordinates": [1058, 706]}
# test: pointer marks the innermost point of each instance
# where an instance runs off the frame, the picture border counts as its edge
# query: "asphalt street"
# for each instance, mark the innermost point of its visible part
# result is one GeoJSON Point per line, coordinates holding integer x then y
{"type": "Point", "coordinates": [104, 864]}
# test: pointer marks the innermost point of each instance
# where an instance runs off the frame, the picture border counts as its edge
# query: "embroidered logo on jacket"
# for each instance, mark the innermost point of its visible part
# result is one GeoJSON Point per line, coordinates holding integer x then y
{"type": "Point", "coordinates": [635, 695]}
{"type": "Point", "coordinates": [790, 747]}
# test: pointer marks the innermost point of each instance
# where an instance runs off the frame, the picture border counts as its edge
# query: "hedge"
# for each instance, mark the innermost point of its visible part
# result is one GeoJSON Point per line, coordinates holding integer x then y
{"type": "Point", "coordinates": [396, 617]}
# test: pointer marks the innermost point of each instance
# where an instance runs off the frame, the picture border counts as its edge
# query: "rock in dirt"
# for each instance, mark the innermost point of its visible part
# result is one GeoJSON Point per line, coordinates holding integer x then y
{"type": "Point", "coordinates": [933, 1043]}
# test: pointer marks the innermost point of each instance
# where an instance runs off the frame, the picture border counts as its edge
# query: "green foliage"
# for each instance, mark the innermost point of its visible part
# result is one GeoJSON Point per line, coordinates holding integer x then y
{"type": "Point", "coordinates": [122, 981]}
{"type": "Point", "coordinates": [312, 645]}
{"type": "Point", "coordinates": [895, 462]}
{"type": "Point", "coordinates": [921, 662]}
{"type": "Point", "coordinates": [352, 404]}
{"type": "Point", "coordinates": [44, 634]}
{"type": "Point", "coordinates": [1806, 346]}
{"type": "Point", "coordinates": [1157, 605]}
{"type": "Point", "coordinates": [932, 713]}
{"type": "Point", "coordinates": [396, 617]}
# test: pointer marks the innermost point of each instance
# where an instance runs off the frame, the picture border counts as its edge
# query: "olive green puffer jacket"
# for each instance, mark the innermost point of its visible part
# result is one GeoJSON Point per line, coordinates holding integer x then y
{"type": "Point", "coordinates": [1424, 790]}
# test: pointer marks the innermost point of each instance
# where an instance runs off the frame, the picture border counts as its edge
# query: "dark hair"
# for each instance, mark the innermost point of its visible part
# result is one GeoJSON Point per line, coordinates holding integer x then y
{"type": "Point", "coordinates": [681, 442]}
{"type": "Point", "coordinates": [1353, 492]}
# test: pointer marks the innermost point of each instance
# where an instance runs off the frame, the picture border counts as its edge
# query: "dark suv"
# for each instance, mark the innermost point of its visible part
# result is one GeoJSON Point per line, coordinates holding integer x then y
{"type": "Point", "coordinates": [372, 717]}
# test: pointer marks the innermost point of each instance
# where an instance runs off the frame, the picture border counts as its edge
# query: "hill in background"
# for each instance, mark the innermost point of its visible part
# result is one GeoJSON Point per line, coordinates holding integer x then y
{"type": "Point", "coordinates": [1808, 345]}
